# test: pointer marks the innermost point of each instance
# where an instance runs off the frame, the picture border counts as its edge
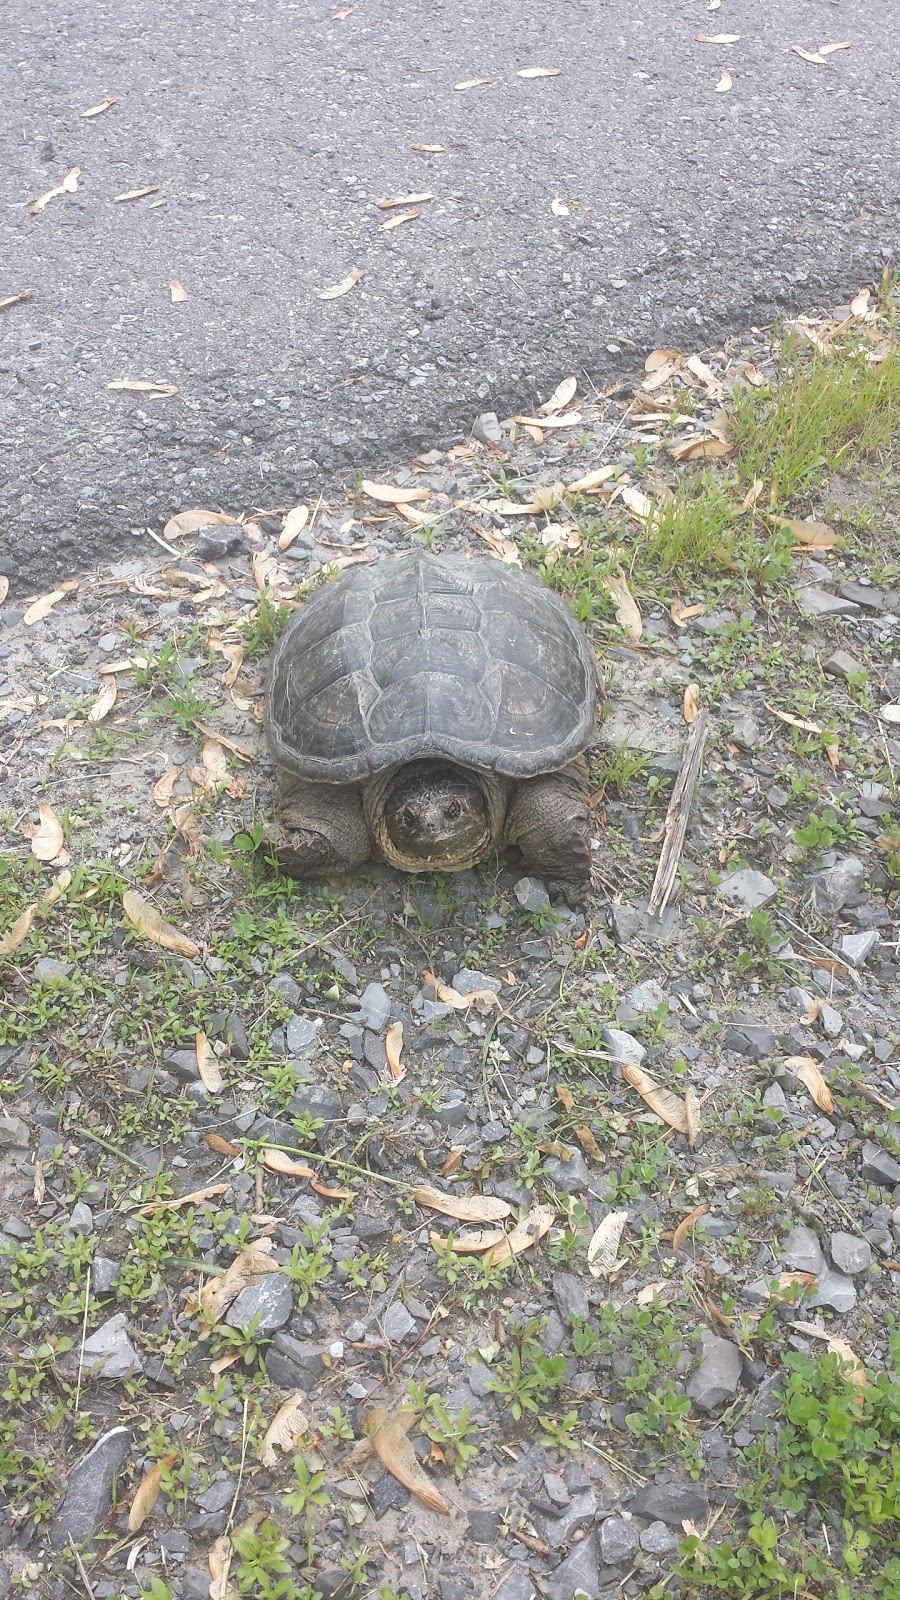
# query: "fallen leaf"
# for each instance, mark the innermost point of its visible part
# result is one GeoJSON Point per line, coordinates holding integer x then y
{"type": "Point", "coordinates": [285, 1430]}
{"type": "Point", "coordinates": [98, 110]}
{"type": "Point", "coordinates": [398, 220]}
{"type": "Point", "coordinates": [591, 480]}
{"type": "Point", "coordinates": [18, 932]}
{"type": "Point", "coordinates": [810, 1075]}
{"type": "Point", "coordinates": [890, 713]}
{"type": "Point", "coordinates": [838, 1347]}
{"type": "Point", "coordinates": [716, 38]}
{"type": "Point", "coordinates": [793, 722]}
{"type": "Point", "coordinates": [192, 521]}
{"type": "Point", "coordinates": [69, 185]}
{"type": "Point", "coordinates": [564, 392]}
{"type": "Point", "coordinates": [280, 1161]}
{"type": "Point", "coordinates": [15, 299]}
{"type": "Point", "coordinates": [714, 5]}
{"type": "Point", "coordinates": [43, 605]}
{"type": "Point", "coordinates": [177, 292]}
{"type": "Point", "coordinates": [651, 1292]}
{"type": "Point", "coordinates": [219, 1560]}
{"type": "Point", "coordinates": [687, 1225]}
{"type": "Point", "coordinates": [214, 761]}
{"type": "Point", "coordinates": [403, 200]}
{"type": "Point", "coordinates": [237, 749]}
{"type": "Point", "coordinates": [255, 1262]}
{"type": "Point", "coordinates": [472, 83]}
{"type": "Point", "coordinates": [570, 419]}
{"type": "Point", "coordinates": [525, 1233]}
{"type": "Point", "coordinates": [539, 72]}
{"type": "Point", "coordinates": [153, 925]}
{"type": "Point", "coordinates": [393, 1044]}
{"type": "Point", "coordinates": [195, 1198]}
{"type": "Point", "coordinates": [662, 1102]}
{"type": "Point", "coordinates": [477, 1208]}
{"type": "Point", "coordinates": [428, 149]}
{"type": "Point", "coordinates": [603, 1249]}
{"type": "Point", "coordinates": [157, 391]}
{"type": "Point", "coordinates": [460, 1002]}
{"type": "Point", "coordinates": [792, 1280]}
{"type": "Point", "coordinates": [208, 1068]}
{"type": "Point", "coordinates": [234, 655]}
{"type": "Point", "coordinates": [706, 447]}
{"type": "Point", "coordinates": [47, 837]}
{"type": "Point", "coordinates": [338, 16]}
{"type": "Point", "coordinates": [559, 207]}
{"type": "Point", "coordinates": [660, 358]}
{"type": "Point", "coordinates": [811, 535]}
{"type": "Point", "coordinates": [453, 1160]}
{"type": "Point", "coordinates": [337, 290]}
{"type": "Point", "coordinates": [147, 1492]}
{"type": "Point", "coordinates": [105, 700]}
{"type": "Point", "coordinates": [502, 549]}
{"type": "Point", "coordinates": [564, 1095]}
{"type": "Point", "coordinates": [137, 194]}
{"type": "Point", "coordinates": [470, 1244]}
{"type": "Point", "coordinates": [691, 702]}
{"type": "Point", "coordinates": [268, 574]}
{"type": "Point", "coordinates": [589, 1144]}
{"type": "Point", "coordinates": [809, 55]}
{"type": "Point", "coordinates": [387, 1434]}
{"type": "Point", "coordinates": [829, 49]}
{"type": "Point", "coordinates": [638, 503]}
{"type": "Point", "coordinates": [725, 83]}
{"type": "Point", "coordinates": [330, 1191]}
{"type": "Point", "coordinates": [392, 494]}
{"type": "Point", "coordinates": [224, 1147]}
{"type": "Point", "coordinates": [859, 305]}
{"type": "Point", "coordinates": [628, 614]}
{"type": "Point", "coordinates": [293, 524]}
{"type": "Point", "coordinates": [681, 614]}
{"type": "Point", "coordinates": [711, 383]}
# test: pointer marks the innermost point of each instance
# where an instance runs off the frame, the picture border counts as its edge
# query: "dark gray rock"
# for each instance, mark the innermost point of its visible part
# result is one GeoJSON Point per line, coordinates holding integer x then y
{"type": "Point", "coordinates": [865, 595]}
{"type": "Point", "coordinates": [640, 999]}
{"type": "Point", "coordinates": [747, 888]}
{"type": "Point", "coordinates": [834, 886]}
{"type": "Point", "coordinates": [467, 981]}
{"type": "Point", "coordinates": [716, 1378]}
{"type": "Point", "coordinates": [532, 894]}
{"type": "Point", "coordinates": [570, 1296]}
{"type": "Point", "coordinates": [801, 1252]}
{"type": "Point", "coordinates": [49, 970]}
{"type": "Point", "coordinates": [745, 732]}
{"type": "Point", "coordinates": [834, 1290]}
{"type": "Point", "coordinates": [856, 948]}
{"type": "Point", "coordinates": [624, 1047]}
{"type": "Point", "coordinates": [849, 1254]}
{"type": "Point", "coordinates": [842, 665]}
{"type": "Point", "coordinates": [219, 1495]}
{"type": "Point", "coordinates": [487, 429]}
{"type": "Point", "coordinates": [878, 1166]}
{"type": "Point", "coordinates": [214, 544]}
{"type": "Point", "coordinates": [657, 1540]}
{"type": "Point", "coordinates": [631, 923]}
{"type": "Point", "coordinates": [109, 1353]}
{"type": "Point", "coordinates": [817, 604]}
{"type": "Point", "coordinates": [578, 1575]}
{"type": "Point", "coordinates": [374, 1008]}
{"type": "Point", "coordinates": [182, 1064]}
{"type": "Point", "coordinates": [271, 1300]}
{"type": "Point", "coordinates": [90, 1491]}
{"type": "Point", "coordinates": [750, 1039]}
{"type": "Point", "coordinates": [484, 1526]}
{"type": "Point", "coordinates": [315, 1100]}
{"type": "Point", "coordinates": [300, 1036]}
{"type": "Point", "coordinates": [14, 1133]}
{"type": "Point", "coordinates": [570, 1177]}
{"type": "Point", "coordinates": [672, 1503]}
{"type": "Point", "coordinates": [81, 1219]}
{"type": "Point", "coordinates": [236, 1037]}
{"type": "Point", "coordinates": [294, 1363]}
{"type": "Point", "coordinates": [517, 1585]}
{"type": "Point", "coordinates": [579, 1513]}
{"type": "Point", "coordinates": [618, 1540]}
{"type": "Point", "coordinates": [397, 1324]}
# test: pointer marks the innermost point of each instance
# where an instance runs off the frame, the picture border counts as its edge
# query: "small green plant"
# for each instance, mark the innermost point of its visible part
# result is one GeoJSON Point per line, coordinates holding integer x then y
{"type": "Point", "coordinates": [453, 1435]}
{"type": "Point", "coordinates": [528, 1376]}
{"type": "Point", "coordinates": [308, 1493]}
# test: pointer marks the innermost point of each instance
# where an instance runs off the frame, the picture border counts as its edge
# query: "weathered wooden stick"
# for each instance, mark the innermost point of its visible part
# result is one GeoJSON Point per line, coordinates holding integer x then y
{"type": "Point", "coordinates": [678, 815]}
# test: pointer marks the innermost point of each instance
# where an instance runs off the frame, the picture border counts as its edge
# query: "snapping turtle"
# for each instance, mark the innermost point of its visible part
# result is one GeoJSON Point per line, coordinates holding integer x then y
{"type": "Point", "coordinates": [427, 709]}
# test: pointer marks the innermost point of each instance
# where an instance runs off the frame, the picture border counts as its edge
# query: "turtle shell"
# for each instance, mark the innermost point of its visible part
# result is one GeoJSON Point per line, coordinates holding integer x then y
{"type": "Point", "coordinates": [423, 655]}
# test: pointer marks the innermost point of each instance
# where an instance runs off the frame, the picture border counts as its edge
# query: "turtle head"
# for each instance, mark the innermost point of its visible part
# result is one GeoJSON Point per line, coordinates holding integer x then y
{"type": "Point", "coordinates": [435, 815]}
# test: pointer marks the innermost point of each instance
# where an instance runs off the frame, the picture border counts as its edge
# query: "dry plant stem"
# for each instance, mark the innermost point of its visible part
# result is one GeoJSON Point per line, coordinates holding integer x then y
{"type": "Point", "coordinates": [88, 1588]}
{"type": "Point", "coordinates": [678, 816]}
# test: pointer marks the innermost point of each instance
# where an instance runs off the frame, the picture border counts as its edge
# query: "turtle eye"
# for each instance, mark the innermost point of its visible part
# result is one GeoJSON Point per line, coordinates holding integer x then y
{"type": "Point", "coordinates": [452, 810]}
{"type": "Point", "coordinates": [411, 816]}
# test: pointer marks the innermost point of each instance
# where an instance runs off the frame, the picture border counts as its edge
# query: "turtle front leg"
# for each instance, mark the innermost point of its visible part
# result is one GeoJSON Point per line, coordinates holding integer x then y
{"type": "Point", "coordinates": [321, 828]}
{"type": "Point", "coordinates": [549, 819]}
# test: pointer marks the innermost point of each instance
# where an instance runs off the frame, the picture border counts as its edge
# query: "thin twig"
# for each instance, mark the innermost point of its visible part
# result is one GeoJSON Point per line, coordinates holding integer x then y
{"type": "Point", "coordinates": [80, 1565]}
{"type": "Point", "coordinates": [159, 540]}
{"type": "Point", "coordinates": [84, 1322]}
{"type": "Point", "coordinates": [678, 816]}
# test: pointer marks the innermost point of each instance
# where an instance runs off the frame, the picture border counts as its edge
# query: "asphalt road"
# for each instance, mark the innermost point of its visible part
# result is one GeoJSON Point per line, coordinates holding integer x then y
{"type": "Point", "coordinates": [272, 128]}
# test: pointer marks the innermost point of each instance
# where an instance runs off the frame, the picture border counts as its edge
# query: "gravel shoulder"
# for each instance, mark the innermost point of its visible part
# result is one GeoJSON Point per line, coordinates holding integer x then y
{"type": "Point", "coordinates": [231, 1143]}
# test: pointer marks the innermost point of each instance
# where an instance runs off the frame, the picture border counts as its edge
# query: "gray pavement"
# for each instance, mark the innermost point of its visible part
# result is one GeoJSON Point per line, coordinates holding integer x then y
{"type": "Point", "coordinates": [272, 129]}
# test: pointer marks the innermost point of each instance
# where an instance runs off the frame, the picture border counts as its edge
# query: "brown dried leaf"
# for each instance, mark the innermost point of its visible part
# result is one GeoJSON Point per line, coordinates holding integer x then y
{"type": "Point", "coordinates": [628, 614]}
{"type": "Point", "coordinates": [242, 751]}
{"type": "Point", "coordinates": [568, 419]}
{"type": "Point", "coordinates": [147, 1492]}
{"type": "Point", "coordinates": [403, 200]}
{"type": "Point", "coordinates": [398, 220]}
{"type": "Point", "coordinates": [564, 1095]}
{"type": "Point", "coordinates": [725, 83]}
{"type": "Point", "coordinates": [285, 1430]}
{"type": "Point", "coordinates": [682, 614]}
{"type": "Point", "coordinates": [178, 293]}
{"type": "Point", "coordinates": [193, 521]}
{"type": "Point", "coordinates": [838, 1347]}
{"type": "Point", "coordinates": [472, 83]}
{"type": "Point", "coordinates": [393, 1044]}
{"type": "Point", "coordinates": [69, 185]}
{"type": "Point", "coordinates": [562, 395]}
{"type": "Point", "coordinates": [687, 1225]}
{"type": "Point", "coordinates": [47, 837]}
{"type": "Point", "coordinates": [195, 1198]}
{"type": "Point", "coordinates": [137, 194]}
{"type": "Point", "coordinates": [223, 1147]}
{"type": "Point", "coordinates": [691, 702]}
{"type": "Point", "coordinates": [810, 1075]}
{"type": "Point", "coordinates": [812, 56]}
{"type": "Point", "coordinates": [280, 1161]}
{"type": "Point", "coordinates": [591, 480]}
{"type": "Point", "coordinates": [294, 523]}
{"type": "Point", "coordinates": [97, 111]}
{"type": "Point", "coordinates": [589, 1144]}
{"type": "Point", "coordinates": [661, 358]}
{"type": "Point", "coordinates": [18, 932]}
{"type": "Point", "coordinates": [207, 1065]}
{"type": "Point", "coordinates": [156, 391]}
{"type": "Point", "coordinates": [162, 789]}
{"type": "Point", "coordinates": [44, 604]}
{"type": "Point", "coordinates": [387, 1433]}
{"type": "Point", "coordinates": [539, 72]}
{"type": "Point", "coordinates": [453, 1160]}
{"type": "Point", "coordinates": [428, 149]}
{"type": "Point", "coordinates": [337, 290]}
{"type": "Point", "coordinates": [219, 1559]}
{"type": "Point", "coordinates": [13, 300]}
{"type": "Point", "coordinates": [505, 550]}
{"type": "Point", "coordinates": [711, 383]}
{"type": "Point", "coordinates": [525, 1233]}
{"type": "Point", "coordinates": [793, 722]}
{"type": "Point", "coordinates": [639, 504]}
{"type": "Point", "coordinates": [329, 1190]}
{"type": "Point", "coordinates": [255, 1262]}
{"type": "Point", "coordinates": [705, 448]}
{"type": "Point", "coordinates": [105, 700]}
{"type": "Point", "coordinates": [603, 1249]}
{"type": "Point", "coordinates": [475, 1208]}
{"type": "Point", "coordinates": [470, 1244]}
{"type": "Point", "coordinates": [716, 38]}
{"type": "Point", "coordinates": [393, 494]}
{"type": "Point", "coordinates": [811, 535]}
{"type": "Point", "coordinates": [214, 761]}
{"type": "Point", "coordinates": [153, 925]}
{"type": "Point", "coordinates": [460, 1002]}
{"type": "Point", "coordinates": [662, 1102]}
{"type": "Point", "coordinates": [268, 574]}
